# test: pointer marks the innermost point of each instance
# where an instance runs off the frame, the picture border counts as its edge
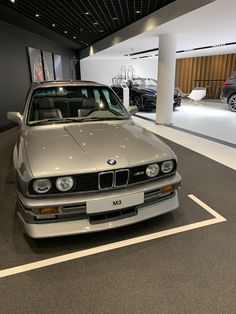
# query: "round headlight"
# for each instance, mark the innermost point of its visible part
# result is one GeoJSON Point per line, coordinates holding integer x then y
{"type": "Point", "coordinates": [42, 185]}
{"type": "Point", "coordinates": [167, 166]}
{"type": "Point", "coordinates": [152, 170]}
{"type": "Point", "coordinates": [64, 184]}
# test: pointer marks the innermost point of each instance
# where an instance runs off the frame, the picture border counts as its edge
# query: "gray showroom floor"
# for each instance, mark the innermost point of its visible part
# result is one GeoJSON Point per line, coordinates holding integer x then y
{"type": "Point", "coordinates": [189, 272]}
{"type": "Point", "coordinates": [207, 117]}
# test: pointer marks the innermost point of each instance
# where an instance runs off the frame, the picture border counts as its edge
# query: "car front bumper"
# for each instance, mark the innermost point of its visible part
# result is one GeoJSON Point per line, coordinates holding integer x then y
{"type": "Point", "coordinates": [177, 102]}
{"type": "Point", "coordinates": [223, 99]}
{"type": "Point", "coordinates": [73, 217]}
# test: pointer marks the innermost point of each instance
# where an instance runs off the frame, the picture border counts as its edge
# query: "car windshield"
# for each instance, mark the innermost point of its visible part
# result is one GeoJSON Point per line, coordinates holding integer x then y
{"type": "Point", "coordinates": [145, 82]}
{"type": "Point", "coordinates": [74, 104]}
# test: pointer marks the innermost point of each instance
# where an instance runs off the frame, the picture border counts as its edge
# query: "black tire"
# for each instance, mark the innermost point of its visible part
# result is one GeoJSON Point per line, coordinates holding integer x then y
{"type": "Point", "coordinates": [138, 102]}
{"type": "Point", "coordinates": [232, 103]}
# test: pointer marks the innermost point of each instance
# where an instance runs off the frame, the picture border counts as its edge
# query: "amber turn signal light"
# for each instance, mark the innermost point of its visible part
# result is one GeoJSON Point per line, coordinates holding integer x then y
{"type": "Point", "coordinates": [168, 188]}
{"type": "Point", "coordinates": [48, 210]}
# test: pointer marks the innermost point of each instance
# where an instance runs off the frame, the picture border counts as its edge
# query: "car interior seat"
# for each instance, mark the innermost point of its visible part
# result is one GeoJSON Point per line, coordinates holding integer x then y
{"type": "Point", "coordinates": [89, 105]}
{"type": "Point", "coordinates": [75, 101]}
{"type": "Point", "coordinates": [47, 110]}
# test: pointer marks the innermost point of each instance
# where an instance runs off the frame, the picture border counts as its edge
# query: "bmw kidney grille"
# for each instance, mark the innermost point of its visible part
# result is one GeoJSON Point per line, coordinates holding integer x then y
{"type": "Point", "coordinates": [110, 179]}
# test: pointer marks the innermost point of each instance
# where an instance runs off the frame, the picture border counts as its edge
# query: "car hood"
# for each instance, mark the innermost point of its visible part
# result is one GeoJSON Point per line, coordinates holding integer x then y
{"type": "Point", "coordinates": [85, 147]}
{"type": "Point", "coordinates": [152, 90]}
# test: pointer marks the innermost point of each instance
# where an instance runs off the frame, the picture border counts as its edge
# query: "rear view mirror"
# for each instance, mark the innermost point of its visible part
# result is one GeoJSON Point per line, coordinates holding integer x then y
{"type": "Point", "coordinates": [15, 117]}
{"type": "Point", "coordinates": [132, 110]}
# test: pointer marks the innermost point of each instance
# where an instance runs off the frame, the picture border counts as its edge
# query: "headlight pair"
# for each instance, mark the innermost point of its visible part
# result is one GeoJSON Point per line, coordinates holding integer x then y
{"type": "Point", "coordinates": [63, 184]}
{"type": "Point", "coordinates": [154, 169]}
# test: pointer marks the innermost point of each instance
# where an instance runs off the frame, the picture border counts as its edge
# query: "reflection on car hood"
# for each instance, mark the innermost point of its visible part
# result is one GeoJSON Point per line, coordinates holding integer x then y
{"type": "Point", "coordinates": [81, 148]}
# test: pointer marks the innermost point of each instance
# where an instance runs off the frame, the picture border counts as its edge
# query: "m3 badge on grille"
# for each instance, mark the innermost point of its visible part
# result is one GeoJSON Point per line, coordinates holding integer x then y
{"type": "Point", "coordinates": [111, 162]}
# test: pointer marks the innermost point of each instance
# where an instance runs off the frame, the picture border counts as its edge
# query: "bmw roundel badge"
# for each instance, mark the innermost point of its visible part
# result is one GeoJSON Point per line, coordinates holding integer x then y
{"type": "Point", "coordinates": [111, 162]}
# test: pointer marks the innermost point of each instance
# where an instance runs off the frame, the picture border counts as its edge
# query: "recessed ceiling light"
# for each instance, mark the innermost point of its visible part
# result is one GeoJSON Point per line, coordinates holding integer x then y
{"type": "Point", "coordinates": [53, 25]}
{"type": "Point", "coordinates": [37, 15]}
{"type": "Point", "coordinates": [65, 32]}
{"type": "Point", "coordinates": [74, 37]}
{"type": "Point", "coordinates": [87, 13]}
{"type": "Point", "coordinates": [95, 23]}
{"type": "Point", "coordinates": [138, 11]}
{"type": "Point", "coordinates": [13, 1]}
{"type": "Point", "coordinates": [115, 18]}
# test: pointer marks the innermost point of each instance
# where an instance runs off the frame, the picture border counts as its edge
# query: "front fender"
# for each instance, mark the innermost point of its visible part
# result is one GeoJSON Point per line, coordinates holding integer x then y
{"type": "Point", "coordinates": [21, 165]}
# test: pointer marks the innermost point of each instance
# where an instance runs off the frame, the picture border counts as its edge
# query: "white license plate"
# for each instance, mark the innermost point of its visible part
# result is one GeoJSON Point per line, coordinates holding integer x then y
{"type": "Point", "coordinates": [113, 203]}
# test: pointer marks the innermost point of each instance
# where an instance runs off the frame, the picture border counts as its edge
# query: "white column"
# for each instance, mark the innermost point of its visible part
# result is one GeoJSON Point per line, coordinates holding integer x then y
{"type": "Point", "coordinates": [166, 78]}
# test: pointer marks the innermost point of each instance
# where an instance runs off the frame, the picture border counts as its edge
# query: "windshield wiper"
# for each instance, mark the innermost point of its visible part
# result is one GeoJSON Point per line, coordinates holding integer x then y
{"type": "Point", "coordinates": [44, 121]}
{"type": "Point", "coordinates": [104, 118]}
{"type": "Point", "coordinates": [79, 120]}
{"type": "Point", "coordinates": [56, 120]}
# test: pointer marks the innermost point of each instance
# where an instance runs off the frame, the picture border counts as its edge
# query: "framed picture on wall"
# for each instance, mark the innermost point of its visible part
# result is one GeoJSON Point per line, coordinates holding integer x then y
{"type": "Point", "coordinates": [36, 65]}
{"type": "Point", "coordinates": [48, 66]}
{"type": "Point", "coordinates": [58, 67]}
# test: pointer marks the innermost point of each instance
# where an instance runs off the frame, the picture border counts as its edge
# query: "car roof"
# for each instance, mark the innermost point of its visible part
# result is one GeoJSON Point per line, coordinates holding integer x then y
{"type": "Point", "coordinates": [65, 83]}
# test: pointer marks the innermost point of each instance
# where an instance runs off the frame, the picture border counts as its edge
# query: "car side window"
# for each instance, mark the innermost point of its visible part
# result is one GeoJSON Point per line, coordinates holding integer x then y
{"type": "Point", "coordinates": [137, 82]}
{"type": "Point", "coordinates": [97, 96]}
{"type": "Point", "coordinates": [84, 92]}
{"type": "Point", "coordinates": [112, 101]}
{"type": "Point", "coordinates": [107, 96]}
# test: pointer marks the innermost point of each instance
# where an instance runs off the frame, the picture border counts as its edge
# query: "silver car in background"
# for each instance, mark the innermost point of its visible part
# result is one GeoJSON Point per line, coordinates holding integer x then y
{"type": "Point", "coordinates": [82, 164]}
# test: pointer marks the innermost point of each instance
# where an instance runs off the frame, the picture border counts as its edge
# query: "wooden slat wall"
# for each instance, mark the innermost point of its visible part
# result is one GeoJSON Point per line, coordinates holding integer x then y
{"type": "Point", "coordinates": [208, 71]}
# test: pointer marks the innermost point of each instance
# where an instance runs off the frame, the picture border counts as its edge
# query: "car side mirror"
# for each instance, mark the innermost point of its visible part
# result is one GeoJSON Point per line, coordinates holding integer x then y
{"type": "Point", "coordinates": [132, 110]}
{"type": "Point", "coordinates": [15, 117]}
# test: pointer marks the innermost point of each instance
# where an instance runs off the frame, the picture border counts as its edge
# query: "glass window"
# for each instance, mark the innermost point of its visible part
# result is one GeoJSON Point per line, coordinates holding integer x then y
{"type": "Point", "coordinates": [84, 92]}
{"type": "Point", "coordinates": [145, 81]}
{"type": "Point", "coordinates": [75, 104]}
{"type": "Point", "coordinates": [97, 95]}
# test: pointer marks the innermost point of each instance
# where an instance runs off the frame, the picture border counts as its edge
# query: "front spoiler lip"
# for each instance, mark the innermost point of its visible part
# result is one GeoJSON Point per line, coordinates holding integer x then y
{"type": "Point", "coordinates": [223, 100]}
{"type": "Point", "coordinates": [82, 226]}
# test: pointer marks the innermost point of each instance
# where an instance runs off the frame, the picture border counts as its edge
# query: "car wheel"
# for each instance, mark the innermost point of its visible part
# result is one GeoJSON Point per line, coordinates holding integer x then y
{"type": "Point", "coordinates": [232, 103]}
{"type": "Point", "coordinates": [138, 102]}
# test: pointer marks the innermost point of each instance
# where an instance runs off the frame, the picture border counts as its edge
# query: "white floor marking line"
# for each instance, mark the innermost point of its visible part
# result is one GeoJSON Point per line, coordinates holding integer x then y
{"type": "Point", "coordinates": [117, 245]}
{"type": "Point", "coordinates": [207, 208]}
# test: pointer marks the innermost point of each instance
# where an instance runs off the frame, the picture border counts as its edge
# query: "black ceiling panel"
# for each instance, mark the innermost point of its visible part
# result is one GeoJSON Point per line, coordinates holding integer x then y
{"type": "Point", "coordinates": [85, 22]}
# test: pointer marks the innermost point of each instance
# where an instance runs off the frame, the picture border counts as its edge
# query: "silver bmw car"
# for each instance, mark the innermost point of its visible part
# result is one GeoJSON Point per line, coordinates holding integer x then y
{"type": "Point", "coordinates": [82, 164]}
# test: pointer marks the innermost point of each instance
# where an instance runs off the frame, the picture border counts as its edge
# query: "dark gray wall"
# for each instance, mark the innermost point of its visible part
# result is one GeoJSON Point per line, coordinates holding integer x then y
{"type": "Point", "coordinates": [14, 66]}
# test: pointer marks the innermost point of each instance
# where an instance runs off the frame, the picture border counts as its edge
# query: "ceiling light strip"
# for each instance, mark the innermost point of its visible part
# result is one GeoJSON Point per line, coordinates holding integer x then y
{"type": "Point", "coordinates": [72, 20]}
{"type": "Point", "coordinates": [85, 20]}
{"type": "Point", "coordinates": [181, 51]}
{"type": "Point", "coordinates": [115, 18]}
{"type": "Point", "coordinates": [103, 13]}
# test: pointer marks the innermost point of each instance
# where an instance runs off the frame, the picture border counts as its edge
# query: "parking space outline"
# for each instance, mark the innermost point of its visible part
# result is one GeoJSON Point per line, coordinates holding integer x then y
{"type": "Point", "coordinates": [119, 244]}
